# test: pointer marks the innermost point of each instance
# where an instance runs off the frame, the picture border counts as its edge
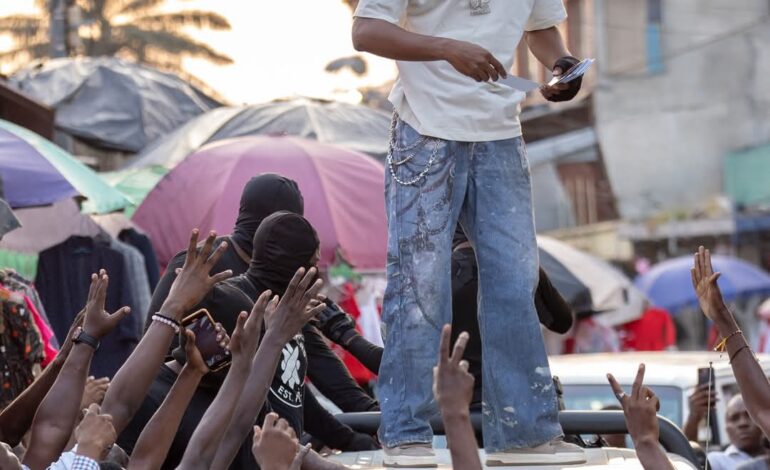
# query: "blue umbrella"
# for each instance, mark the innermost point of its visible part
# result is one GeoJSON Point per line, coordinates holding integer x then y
{"type": "Point", "coordinates": [669, 284]}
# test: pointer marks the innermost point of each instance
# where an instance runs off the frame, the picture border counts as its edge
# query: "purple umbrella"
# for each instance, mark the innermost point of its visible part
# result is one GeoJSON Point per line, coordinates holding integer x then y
{"type": "Point", "coordinates": [343, 192]}
{"type": "Point", "coordinates": [22, 165]}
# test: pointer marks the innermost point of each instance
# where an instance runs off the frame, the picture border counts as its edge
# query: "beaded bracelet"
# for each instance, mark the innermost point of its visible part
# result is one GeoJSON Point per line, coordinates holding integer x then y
{"type": "Point", "coordinates": [166, 321]}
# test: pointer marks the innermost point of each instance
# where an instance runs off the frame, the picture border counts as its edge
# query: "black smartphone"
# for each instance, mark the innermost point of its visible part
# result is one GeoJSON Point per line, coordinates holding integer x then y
{"type": "Point", "coordinates": [706, 376]}
{"type": "Point", "coordinates": [203, 325]}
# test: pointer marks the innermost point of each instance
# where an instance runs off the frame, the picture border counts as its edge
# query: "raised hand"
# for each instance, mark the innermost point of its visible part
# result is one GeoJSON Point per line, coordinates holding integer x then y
{"type": "Point", "coordinates": [245, 339]}
{"type": "Point", "coordinates": [292, 313]}
{"type": "Point", "coordinates": [193, 281]}
{"type": "Point", "coordinates": [704, 281]}
{"type": "Point", "coordinates": [276, 446]}
{"type": "Point", "coordinates": [94, 391]}
{"type": "Point", "coordinates": [640, 408]}
{"type": "Point", "coordinates": [97, 322]}
{"type": "Point", "coordinates": [452, 383]}
{"type": "Point", "coordinates": [95, 433]}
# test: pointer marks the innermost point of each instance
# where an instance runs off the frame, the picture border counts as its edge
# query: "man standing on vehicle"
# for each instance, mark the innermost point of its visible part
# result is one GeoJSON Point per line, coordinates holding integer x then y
{"type": "Point", "coordinates": [457, 154]}
{"type": "Point", "coordinates": [745, 438]}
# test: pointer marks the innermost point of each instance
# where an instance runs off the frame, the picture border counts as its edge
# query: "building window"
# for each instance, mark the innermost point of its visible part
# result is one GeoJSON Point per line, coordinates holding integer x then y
{"type": "Point", "coordinates": [653, 39]}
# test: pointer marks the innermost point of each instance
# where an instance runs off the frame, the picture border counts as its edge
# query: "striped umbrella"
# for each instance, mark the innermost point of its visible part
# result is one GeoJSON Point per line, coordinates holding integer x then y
{"type": "Point", "coordinates": [36, 172]}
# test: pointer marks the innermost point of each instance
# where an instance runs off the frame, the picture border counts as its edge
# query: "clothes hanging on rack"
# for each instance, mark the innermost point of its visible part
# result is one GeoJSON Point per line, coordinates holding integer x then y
{"type": "Point", "coordinates": [142, 243]}
{"type": "Point", "coordinates": [21, 347]}
{"type": "Point", "coordinates": [136, 275]}
{"type": "Point", "coordinates": [63, 279]}
{"type": "Point", "coordinates": [16, 283]}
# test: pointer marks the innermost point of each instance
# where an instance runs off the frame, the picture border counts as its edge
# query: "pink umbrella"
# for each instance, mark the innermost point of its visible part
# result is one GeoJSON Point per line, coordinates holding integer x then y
{"type": "Point", "coordinates": [343, 192]}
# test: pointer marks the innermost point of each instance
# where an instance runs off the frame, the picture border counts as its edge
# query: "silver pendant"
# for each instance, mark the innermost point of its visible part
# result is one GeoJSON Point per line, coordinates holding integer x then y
{"type": "Point", "coordinates": [479, 7]}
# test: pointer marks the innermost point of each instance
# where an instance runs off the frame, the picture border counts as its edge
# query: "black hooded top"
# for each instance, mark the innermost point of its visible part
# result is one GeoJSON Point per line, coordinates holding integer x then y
{"type": "Point", "coordinates": [283, 243]}
{"type": "Point", "coordinates": [262, 196]}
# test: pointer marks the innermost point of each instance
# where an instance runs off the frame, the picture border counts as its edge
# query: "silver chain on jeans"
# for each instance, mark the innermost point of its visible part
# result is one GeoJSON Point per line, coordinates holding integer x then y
{"type": "Point", "coordinates": [418, 144]}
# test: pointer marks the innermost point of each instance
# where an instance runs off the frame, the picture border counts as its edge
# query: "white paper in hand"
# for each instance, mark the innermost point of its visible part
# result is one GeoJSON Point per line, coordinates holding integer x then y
{"type": "Point", "coordinates": [518, 83]}
{"type": "Point", "coordinates": [578, 70]}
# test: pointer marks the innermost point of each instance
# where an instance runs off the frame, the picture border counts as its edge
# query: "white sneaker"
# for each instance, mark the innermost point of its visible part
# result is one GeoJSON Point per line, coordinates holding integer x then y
{"type": "Point", "coordinates": [555, 451]}
{"type": "Point", "coordinates": [410, 456]}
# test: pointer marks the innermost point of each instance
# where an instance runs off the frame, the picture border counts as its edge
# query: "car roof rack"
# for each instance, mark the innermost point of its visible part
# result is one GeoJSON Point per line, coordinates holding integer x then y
{"type": "Point", "coordinates": [572, 422]}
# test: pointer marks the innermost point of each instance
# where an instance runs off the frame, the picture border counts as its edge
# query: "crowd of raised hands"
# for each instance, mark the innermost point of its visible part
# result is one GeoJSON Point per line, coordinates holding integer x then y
{"type": "Point", "coordinates": [66, 409]}
{"type": "Point", "coordinates": [72, 420]}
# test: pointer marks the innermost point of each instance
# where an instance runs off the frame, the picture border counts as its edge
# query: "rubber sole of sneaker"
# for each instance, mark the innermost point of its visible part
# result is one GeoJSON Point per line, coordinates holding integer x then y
{"type": "Point", "coordinates": [535, 459]}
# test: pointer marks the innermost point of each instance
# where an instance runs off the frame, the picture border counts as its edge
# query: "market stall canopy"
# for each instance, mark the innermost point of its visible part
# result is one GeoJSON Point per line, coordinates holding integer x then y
{"type": "Point", "coordinates": [111, 102]}
{"type": "Point", "coordinates": [343, 192]}
{"type": "Point", "coordinates": [36, 172]}
{"type": "Point", "coordinates": [47, 226]}
{"type": "Point", "coordinates": [351, 126]}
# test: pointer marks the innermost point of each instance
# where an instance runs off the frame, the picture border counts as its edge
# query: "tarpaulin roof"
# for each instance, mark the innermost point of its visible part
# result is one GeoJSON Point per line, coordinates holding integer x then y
{"type": "Point", "coordinates": [111, 102]}
{"type": "Point", "coordinates": [352, 126]}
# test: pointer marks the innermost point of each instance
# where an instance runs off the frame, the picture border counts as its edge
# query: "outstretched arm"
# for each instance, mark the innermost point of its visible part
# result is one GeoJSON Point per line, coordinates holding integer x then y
{"type": "Point", "coordinates": [751, 379]}
{"type": "Point", "coordinates": [453, 388]}
{"type": "Point", "coordinates": [156, 438]}
{"type": "Point", "coordinates": [130, 385]}
{"type": "Point", "coordinates": [204, 442]}
{"type": "Point", "coordinates": [56, 416]}
{"type": "Point", "coordinates": [283, 322]}
{"type": "Point", "coordinates": [640, 409]}
{"type": "Point", "coordinates": [17, 417]}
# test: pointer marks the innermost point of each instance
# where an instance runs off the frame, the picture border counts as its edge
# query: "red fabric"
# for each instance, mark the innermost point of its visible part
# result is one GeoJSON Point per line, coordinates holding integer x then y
{"type": "Point", "coordinates": [654, 331]}
{"type": "Point", "coordinates": [348, 303]}
{"type": "Point", "coordinates": [49, 352]}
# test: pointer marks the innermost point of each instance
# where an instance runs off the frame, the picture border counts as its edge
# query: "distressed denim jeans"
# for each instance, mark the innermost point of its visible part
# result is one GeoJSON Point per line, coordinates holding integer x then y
{"type": "Point", "coordinates": [430, 185]}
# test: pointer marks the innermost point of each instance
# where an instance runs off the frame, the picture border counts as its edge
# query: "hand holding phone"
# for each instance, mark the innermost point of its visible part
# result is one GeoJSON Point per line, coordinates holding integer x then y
{"type": "Point", "coordinates": [210, 339]}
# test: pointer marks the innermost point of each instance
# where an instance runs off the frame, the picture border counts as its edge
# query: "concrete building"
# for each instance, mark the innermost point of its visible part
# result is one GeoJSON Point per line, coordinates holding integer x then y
{"type": "Point", "coordinates": [682, 83]}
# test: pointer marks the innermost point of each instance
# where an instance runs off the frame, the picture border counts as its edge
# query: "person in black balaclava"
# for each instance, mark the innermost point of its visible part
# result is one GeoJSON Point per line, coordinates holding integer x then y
{"type": "Point", "coordinates": [283, 243]}
{"type": "Point", "coordinates": [262, 195]}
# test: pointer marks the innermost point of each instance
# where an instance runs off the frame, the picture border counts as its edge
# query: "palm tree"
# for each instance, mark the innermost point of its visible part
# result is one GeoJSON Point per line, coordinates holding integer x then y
{"type": "Point", "coordinates": [133, 29]}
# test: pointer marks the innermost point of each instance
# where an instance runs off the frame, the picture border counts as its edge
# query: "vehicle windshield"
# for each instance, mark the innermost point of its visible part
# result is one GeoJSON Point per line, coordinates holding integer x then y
{"type": "Point", "coordinates": [596, 397]}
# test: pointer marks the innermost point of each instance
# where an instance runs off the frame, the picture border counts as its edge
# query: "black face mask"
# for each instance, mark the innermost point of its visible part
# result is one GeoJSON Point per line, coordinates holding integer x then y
{"type": "Point", "coordinates": [262, 196]}
{"type": "Point", "coordinates": [283, 243]}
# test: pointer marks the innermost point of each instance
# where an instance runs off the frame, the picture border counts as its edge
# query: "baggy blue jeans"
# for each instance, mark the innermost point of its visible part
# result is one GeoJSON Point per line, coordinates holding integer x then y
{"type": "Point", "coordinates": [430, 185]}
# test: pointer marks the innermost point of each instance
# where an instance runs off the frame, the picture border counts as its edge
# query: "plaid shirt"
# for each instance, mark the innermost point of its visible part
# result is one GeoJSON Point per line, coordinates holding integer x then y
{"type": "Point", "coordinates": [72, 461]}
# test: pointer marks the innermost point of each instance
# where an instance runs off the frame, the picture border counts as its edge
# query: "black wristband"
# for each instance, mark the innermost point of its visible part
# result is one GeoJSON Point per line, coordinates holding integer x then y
{"type": "Point", "coordinates": [85, 338]}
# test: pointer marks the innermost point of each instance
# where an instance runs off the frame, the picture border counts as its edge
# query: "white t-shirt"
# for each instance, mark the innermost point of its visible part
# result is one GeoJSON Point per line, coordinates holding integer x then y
{"type": "Point", "coordinates": [728, 459]}
{"type": "Point", "coordinates": [439, 101]}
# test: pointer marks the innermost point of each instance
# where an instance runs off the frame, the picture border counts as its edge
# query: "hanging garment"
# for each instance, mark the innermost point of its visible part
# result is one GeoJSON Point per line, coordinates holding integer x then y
{"type": "Point", "coordinates": [654, 331]}
{"type": "Point", "coordinates": [16, 282]}
{"type": "Point", "coordinates": [136, 275]}
{"type": "Point", "coordinates": [63, 280]}
{"type": "Point", "coordinates": [21, 347]}
{"type": "Point", "coordinates": [142, 243]}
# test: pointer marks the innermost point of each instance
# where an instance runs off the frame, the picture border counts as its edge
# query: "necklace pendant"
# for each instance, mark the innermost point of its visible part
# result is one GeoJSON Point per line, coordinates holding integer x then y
{"type": "Point", "coordinates": [479, 7]}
